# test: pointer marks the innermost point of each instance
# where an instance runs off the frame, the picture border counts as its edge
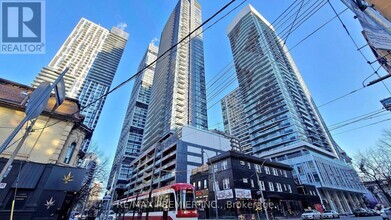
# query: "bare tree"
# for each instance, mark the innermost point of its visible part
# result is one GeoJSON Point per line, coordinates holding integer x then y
{"type": "Point", "coordinates": [375, 163]}
{"type": "Point", "coordinates": [97, 165]}
{"type": "Point", "coordinates": [385, 141]}
{"type": "Point", "coordinates": [95, 192]}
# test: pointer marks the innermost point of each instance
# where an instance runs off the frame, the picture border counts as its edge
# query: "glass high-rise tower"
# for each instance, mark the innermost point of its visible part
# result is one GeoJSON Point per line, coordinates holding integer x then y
{"type": "Point", "coordinates": [283, 121]}
{"type": "Point", "coordinates": [178, 94]}
{"type": "Point", "coordinates": [233, 115]}
{"type": "Point", "coordinates": [92, 54]}
{"type": "Point", "coordinates": [277, 103]}
{"type": "Point", "coordinates": [131, 137]}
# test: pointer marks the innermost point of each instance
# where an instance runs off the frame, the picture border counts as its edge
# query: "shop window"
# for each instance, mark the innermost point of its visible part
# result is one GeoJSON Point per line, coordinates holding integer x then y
{"type": "Point", "coordinates": [271, 186]}
{"type": "Point", "coordinates": [279, 187]}
{"type": "Point", "coordinates": [226, 183]}
{"type": "Point", "coordinates": [262, 185]}
{"type": "Point", "coordinates": [267, 170]}
{"type": "Point", "coordinates": [69, 154]}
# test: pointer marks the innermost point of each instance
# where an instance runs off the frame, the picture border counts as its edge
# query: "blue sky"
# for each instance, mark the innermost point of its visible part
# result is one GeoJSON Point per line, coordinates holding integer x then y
{"type": "Point", "coordinates": [328, 60]}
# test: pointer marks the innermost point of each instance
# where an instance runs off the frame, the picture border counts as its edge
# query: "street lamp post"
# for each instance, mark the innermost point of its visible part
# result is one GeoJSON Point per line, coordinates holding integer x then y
{"type": "Point", "coordinates": [259, 185]}
{"type": "Point", "coordinates": [215, 187]}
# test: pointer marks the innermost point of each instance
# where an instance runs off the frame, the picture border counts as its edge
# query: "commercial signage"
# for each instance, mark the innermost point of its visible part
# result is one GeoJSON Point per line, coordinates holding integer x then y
{"type": "Point", "coordinates": [225, 194]}
{"type": "Point", "coordinates": [377, 36]}
{"type": "Point", "coordinates": [243, 193]}
{"type": "Point", "coordinates": [3, 185]}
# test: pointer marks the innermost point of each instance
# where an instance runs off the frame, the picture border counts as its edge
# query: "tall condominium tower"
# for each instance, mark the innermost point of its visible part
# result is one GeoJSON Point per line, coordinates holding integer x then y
{"type": "Point", "coordinates": [178, 94]}
{"type": "Point", "coordinates": [283, 121]}
{"type": "Point", "coordinates": [277, 103]}
{"type": "Point", "coordinates": [92, 54]}
{"type": "Point", "coordinates": [129, 143]}
{"type": "Point", "coordinates": [233, 115]}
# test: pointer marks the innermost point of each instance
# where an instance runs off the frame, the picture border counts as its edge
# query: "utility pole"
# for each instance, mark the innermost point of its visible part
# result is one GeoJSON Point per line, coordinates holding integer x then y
{"type": "Point", "coordinates": [260, 189]}
{"type": "Point", "coordinates": [9, 162]}
{"type": "Point", "coordinates": [370, 13]}
{"type": "Point", "coordinates": [214, 184]}
{"type": "Point", "coordinates": [110, 200]}
{"type": "Point", "coordinates": [157, 147]}
{"type": "Point", "coordinates": [376, 31]}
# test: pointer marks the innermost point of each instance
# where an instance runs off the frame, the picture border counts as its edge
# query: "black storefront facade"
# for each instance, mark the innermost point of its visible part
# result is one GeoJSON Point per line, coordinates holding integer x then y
{"type": "Point", "coordinates": [238, 189]}
{"type": "Point", "coordinates": [41, 191]}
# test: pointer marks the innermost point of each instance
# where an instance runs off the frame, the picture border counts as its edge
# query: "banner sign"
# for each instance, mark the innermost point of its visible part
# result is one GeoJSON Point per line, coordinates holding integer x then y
{"type": "Point", "coordinates": [225, 194]}
{"type": "Point", "coordinates": [377, 36]}
{"type": "Point", "coordinates": [243, 193]}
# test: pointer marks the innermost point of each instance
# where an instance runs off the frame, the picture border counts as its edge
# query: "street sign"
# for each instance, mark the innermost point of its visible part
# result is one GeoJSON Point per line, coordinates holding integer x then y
{"type": "Point", "coordinates": [60, 92]}
{"type": "Point", "coordinates": [38, 100]}
{"type": "Point", "coordinates": [3, 185]}
{"type": "Point", "coordinates": [106, 197]}
{"type": "Point", "coordinates": [259, 193]}
{"type": "Point", "coordinates": [386, 103]}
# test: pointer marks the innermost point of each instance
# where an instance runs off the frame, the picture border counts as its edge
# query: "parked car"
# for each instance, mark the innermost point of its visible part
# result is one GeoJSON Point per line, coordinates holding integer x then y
{"type": "Point", "coordinates": [107, 216]}
{"type": "Point", "coordinates": [74, 215]}
{"type": "Point", "coordinates": [80, 216]}
{"type": "Point", "coordinates": [370, 212]}
{"type": "Point", "coordinates": [386, 213]}
{"type": "Point", "coordinates": [330, 214]}
{"type": "Point", "coordinates": [375, 212]}
{"type": "Point", "coordinates": [111, 215]}
{"type": "Point", "coordinates": [311, 214]}
{"type": "Point", "coordinates": [360, 212]}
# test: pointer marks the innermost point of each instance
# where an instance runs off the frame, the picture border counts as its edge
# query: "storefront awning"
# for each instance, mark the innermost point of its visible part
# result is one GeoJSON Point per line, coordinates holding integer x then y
{"type": "Point", "coordinates": [29, 176]}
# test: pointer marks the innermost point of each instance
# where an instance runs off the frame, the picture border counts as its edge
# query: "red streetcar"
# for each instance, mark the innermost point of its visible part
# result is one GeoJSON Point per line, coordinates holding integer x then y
{"type": "Point", "coordinates": [175, 201]}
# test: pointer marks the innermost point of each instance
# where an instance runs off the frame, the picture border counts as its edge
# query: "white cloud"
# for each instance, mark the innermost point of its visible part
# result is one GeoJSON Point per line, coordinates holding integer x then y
{"type": "Point", "coordinates": [155, 40]}
{"type": "Point", "coordinates": [122, 25]}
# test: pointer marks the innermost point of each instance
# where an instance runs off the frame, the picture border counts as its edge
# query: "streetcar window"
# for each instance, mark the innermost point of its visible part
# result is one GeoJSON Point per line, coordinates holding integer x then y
{"type": "Point", "coordinates": [143, 204]}
{"type": "Point", "coordinates": [165, 201]}
{"type": "Point", "coordinates": [186, 200]}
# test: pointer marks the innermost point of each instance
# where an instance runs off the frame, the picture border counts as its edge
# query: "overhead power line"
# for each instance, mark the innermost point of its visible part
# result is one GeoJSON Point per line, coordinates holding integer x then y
{"type": "Point", "coordinates": [372, 116]}
{"type": "Point", "coordinates": [230, 64]}
{"type": "Point", "coordinates": [378, 122]}
{"type": "Point", "coordinates": [284, 13]}
{"type": "Point", "coordinates": [356, 117]}
{"type": "Point", "coordinates": [293, 23]}
{"type": "Point", "coordinates": [340, 97]}
{"type": "Point", "coordinates": [164, 54]}
{"type": "Point", "coordinates": [159, 57]}
{"type": "Point", "coordinates": [308, 13]}
{"type": "Point", "coordinates": [297, 44]}
{"type": "Point", "coordinates": [357, 47]}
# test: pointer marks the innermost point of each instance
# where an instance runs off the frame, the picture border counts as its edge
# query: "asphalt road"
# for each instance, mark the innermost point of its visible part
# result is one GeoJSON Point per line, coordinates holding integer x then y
{"type": "Point", "coordinates": [364, 218]}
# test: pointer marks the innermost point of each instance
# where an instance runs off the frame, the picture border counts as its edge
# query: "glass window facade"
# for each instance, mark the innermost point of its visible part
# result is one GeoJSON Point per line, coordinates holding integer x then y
{"type": "Point", "coordinates": [278, 108]}
{"type": "Point", "coordinates": [178, 96]}
{"type": "Point", "coordinates": [132, 131]}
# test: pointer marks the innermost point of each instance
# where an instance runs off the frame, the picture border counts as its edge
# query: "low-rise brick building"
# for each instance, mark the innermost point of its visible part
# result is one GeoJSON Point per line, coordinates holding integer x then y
{"type": "Point", "coordinates": [240, 178]}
